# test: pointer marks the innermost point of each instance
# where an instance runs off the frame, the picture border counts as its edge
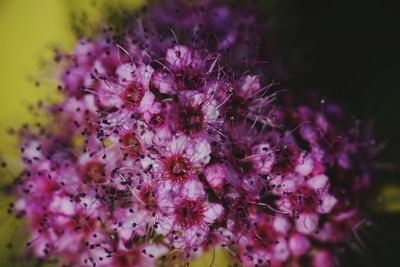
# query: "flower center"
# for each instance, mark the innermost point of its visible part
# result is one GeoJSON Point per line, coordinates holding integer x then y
{"type": "Point", "coordinates": [191, 120]}
{"type": "Point", "coordinates": [304, 199]}
{"type": "Point", "coordinates": [178, 168]}
{"type": "Point", "coordinates": [284, 162]}
{"type": "Point", "coordinates": [127, 259]}
{"type": "Point", "coordinates": [131, 145]}
{"type": "Point", "coordinates": [148, 196]}
{"type": "Point", "coordinates": [133, 95]}
{"type": "Point", "coordinates": [239, 154]}
{"type": "Point", "coordinates": [79, 222]}
{"type": "Point", "coordinates": [157, 119]}
{"type": "Point", "coordinates": [94, 172]}
{"type": "Point", "coordinates": [263, 235]}
{"type": "Point", "coordinates": [236, 108]}
{"type": "Point", "coordinates": [189, 213]}
{"type": "Point", "coordinates": [189, 79]}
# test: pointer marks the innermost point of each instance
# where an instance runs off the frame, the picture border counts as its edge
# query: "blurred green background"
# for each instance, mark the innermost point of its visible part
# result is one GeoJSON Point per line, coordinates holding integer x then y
{"type": "Point", "coordinates": [346, 50]}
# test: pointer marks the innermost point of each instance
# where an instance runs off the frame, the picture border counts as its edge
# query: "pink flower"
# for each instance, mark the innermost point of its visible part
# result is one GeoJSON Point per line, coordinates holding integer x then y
{"type": "Point", "coordinates": [166, 145]}
{"type": "Point", "coordinates": [135, 81]}
{"type": "Point", "coordinates": [198, 116]}
{"type": "Point", "coordinates": [187, 216]}
{"type": "Point", "coordinates": [216, 176]}
{"type": "Point", "coordinates": [181, 159]}
{"type": "Point", "coordinates": [185, 71]}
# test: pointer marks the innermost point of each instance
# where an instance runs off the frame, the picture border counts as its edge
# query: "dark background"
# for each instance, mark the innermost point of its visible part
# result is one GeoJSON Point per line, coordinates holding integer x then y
{"type": "Point", "coordinates": [348, 51]}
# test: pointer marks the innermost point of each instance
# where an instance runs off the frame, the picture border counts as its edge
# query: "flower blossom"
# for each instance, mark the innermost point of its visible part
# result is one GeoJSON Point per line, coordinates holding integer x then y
{"type": "Point", "coordinates": [162, 148]}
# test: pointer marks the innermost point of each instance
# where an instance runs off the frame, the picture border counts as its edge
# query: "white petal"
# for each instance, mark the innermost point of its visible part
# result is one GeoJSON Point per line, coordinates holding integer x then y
{"type": "Point", "coordinates": [193, 189]}
{"type": "Point", "coordinates": [328, 202]}
{"type": "Point", "coordinates": [125, 72]}
{"type": "Point", "coordinates": [179, 57]}
{"type": "Point", "coordinates": [281, 250]}
{"type": "Point", "coordinates": [299, 244]}
{"type": "Point", "coordinates": [155, 250]}
{"type": "Point", "coordinates": [305, 165]}
{"type": "Point", "coordinates": [195, 235]}
{"type": "Point", "coordinates": [147, 101]}
{"type": "Point", "coordinates": [199, 152]}
{"type": "Point", "coordinates": [212, 212]}
{"type": "Point", "coordinates": [249, 85]}
{"type": "Point", "coordinates": [164, 82]}
{"type": "Point", "coordinates": [178, 144]}
{"type": "Point", "coordinates": [195, 98]}
{"type": "Point", "coordinates": [62, 205]}
{"type": "Point", "coordinates": [215, 175]}
{"type": "Point", "coordinates": [143, 75]}
{"type": "Point", "coordinates": [148, 162]}
{"type": "Point", "coordinates": [263, 158]}
{"type": "Point", "coordinates": [210, 111]}
{"type": "Point", "coordinates": [166, 224]}
{"type": "Point", "coordinates": [318, 182]}
{"type": "Point", "coordinates": [281, 225]}
{"type": "Point", "coordinates": [307, 223]}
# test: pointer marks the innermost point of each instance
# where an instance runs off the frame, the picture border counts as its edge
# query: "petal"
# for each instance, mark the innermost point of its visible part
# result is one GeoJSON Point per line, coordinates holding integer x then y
{"type": "Point", "coordinates": [178, 144]}
{"type": "Point", "coordinates": [308, 133]}
{"type": "Point", "coordinates": [193, 189]}
{"type": "Point", "coordinates": [162, 136]}
{"type": "Point", "coordinates": [215, 175]}
{"type": "Point", "coordinates": [195, 235]}
{"type": "Point", "coordinates": [199, 152]}
{"type": "Point", "coordinates": [144, 134]}
{"type": "Point", "coordinates": [147, 101]}
{"type": "Point", "coordinates": [212, 212]}
{"type": "Point", "coordinates": [109, 96]}
{"type": "Point", "coordinates": [82, 51]}
{"type": "Point", "coordinates": [164, 82]}
{"type": "Point", "coordinates": [73, 78]}
{"type": "Point", "coordinates": [125, 72]}
{"type": "Point", "coordinates": [195, 98]}
{"type": "Point", "coordinates": [328, 202]}
{"type": "Point", "coordinates": [62, 205]}
{"type": "Point", "coordinates": [232, 177]}
{"type": "Point", "coordinates": [281, 225]}
{"type": "Point", "coordinates": [155, 250]}
{"type": "Point", "coordinates": [210, 111]}
{"type": "Point", "coordinates": [299, 244]}
{"type": "Point", "coordinates": [150, 162]}
{"type": "Point", "coordinates": [166, 224]}
{"type": "Point", "coordinates": [179, 57]}
{"type": "Point", "coordinates": [197, 61]}
{"type": "Point", "coordinates": [227, 41]}
{"type": "Point", "coordinates": [281, 250]}
{"type": "Point", "coordinates": [253, 184]}
{"type": "Point", "coordinates": [307, 223]}
{"type": "Point", "coordinates": [305, 164]}
{"type": "Point", "coordinates": [318, 182]}
{"type": "Point", "coordinates": [249, 85]}
{"type": "Point", "coordinates": [326, 233]}
{"type": "Point", "coordinates": [143, 75]}
{"type": "Point", "coordinates": [323, 258]}
{"type": "Point", "coordinates": [263, 158]}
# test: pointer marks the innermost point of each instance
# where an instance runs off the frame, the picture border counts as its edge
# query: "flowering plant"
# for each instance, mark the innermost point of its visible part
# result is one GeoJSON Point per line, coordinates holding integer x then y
{"type": "Point", "coordinates": [170, 140]}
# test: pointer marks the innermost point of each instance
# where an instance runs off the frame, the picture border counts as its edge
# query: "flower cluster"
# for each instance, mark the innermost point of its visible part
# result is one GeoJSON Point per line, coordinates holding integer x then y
{"type": "Point", "coordinates": [162, 148]}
